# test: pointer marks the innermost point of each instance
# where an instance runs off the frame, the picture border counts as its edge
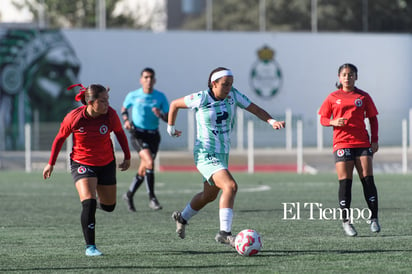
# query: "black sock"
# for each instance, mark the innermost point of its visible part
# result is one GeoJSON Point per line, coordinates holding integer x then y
{"type": "Point", "coordinates": [150, 181]}
{"type": "Point", "coordinates": [107, 208]}
{"type": "Point", "coordinates": [137, 181]}
{"type": "Point", "coordinates": [371, 195]}
{"type": "Point", "coordinates": [88, 220]}
{"type": "Point", "coordinates": [345, 197]}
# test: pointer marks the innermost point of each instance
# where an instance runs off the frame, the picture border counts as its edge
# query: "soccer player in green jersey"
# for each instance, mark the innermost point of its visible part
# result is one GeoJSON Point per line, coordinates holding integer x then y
{"type": "Point", "coordinates": [215, 110]}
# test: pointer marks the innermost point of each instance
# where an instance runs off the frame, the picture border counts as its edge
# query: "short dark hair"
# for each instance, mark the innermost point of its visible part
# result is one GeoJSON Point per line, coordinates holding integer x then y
{"type": "Point", "coordinates": [149, 70]}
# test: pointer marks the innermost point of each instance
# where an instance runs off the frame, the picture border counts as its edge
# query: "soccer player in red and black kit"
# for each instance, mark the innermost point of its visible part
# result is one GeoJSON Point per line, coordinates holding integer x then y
{"type": "Point", "coordinates": [345, 109]}
{"type": "Point", "coordinates": [93, 164]}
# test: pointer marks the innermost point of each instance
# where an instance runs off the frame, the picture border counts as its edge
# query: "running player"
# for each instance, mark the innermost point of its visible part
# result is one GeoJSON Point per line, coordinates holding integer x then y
{"type": "Point", "coordinates": [148, 106]}
{"type": "Point", "coordinates": [346, 109]}
{"type": "Point", "coordinates": [93, 164]}
{"type": "Point", "coordinates": [215, 116]}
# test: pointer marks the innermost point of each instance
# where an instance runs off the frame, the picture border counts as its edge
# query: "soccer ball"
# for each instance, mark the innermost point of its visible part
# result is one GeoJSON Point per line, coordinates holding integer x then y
{"type": "Point", "coordinates": [248, 242]}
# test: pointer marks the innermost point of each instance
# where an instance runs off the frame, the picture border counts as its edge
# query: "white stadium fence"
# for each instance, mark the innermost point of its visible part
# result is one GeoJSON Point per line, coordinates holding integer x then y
{"type": "Point", "coordinates": [250, 151]}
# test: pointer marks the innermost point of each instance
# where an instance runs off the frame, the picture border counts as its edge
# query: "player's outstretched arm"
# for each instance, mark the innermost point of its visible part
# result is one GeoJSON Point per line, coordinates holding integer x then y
{"type": "Point", "coordinates": [264, 116]}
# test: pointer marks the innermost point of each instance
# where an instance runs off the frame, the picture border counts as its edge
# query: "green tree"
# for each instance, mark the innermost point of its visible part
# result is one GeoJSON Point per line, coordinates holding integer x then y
{"type": "Point", "coordinates": [390, 16]}
{"type": "Point", "coordinates": [295, 15]}
{"type": "Point", "coordinates": [75, 13]}
{"type": "Point", "coordinates": [229, 15]}
{"type": "Point", "coordinates": [243, 15]}
{"type": "Point", "coordinates": [380, 15]}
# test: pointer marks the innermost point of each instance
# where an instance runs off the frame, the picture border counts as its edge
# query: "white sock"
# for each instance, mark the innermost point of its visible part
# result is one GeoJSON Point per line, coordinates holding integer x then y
{"type": "Point", "coordinates": [226, 216]}
{"type": "Point", "coordinates": [188, 212]}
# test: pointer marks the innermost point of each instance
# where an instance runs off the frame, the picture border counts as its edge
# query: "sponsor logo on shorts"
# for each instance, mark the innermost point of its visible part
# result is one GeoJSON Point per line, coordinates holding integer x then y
{"type": "Point", "coordinates": [81, 170]}
{"type": "Point", "coordinates": [212, 157]}
{"type": "Point", "coordinates": [340, 152]}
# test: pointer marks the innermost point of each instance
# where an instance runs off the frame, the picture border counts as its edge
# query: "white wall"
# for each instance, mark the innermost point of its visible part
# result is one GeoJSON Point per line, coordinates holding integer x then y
{"type": "Point", "coordinates": [309, 63]}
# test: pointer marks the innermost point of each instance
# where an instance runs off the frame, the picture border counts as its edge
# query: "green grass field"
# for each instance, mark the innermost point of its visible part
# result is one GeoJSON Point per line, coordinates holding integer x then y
{"type": "Point", "coordinates": [40, 228]}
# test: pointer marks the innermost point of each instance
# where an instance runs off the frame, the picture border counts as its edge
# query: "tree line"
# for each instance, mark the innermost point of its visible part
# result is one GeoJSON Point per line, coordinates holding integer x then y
{"type": "Point", "coordinates": [394, 16]}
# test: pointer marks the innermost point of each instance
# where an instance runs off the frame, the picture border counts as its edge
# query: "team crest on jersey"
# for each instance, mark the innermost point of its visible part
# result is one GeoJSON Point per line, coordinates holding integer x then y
{"type": "Point", "coordinates": [103, 129]}
{"type": "Point", "coordinates": [81, 170]}
{"type": "Point", "coordinates": [340, 152]}
{"type": "Point", "coordinates": [358, 102]}
{"type": "Point", "coordinates": [338, 102]}
{"type": "Point", "coordinates": [266, 75]}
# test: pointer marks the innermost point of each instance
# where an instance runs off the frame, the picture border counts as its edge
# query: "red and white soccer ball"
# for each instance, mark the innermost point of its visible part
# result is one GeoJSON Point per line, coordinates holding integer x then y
{"type": "Point", "coordinates": [248, 242]}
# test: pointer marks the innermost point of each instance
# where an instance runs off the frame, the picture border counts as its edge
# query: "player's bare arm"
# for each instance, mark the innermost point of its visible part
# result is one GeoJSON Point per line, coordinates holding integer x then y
{"type": "Point", "coordinates": [175, 105]}
{"type": "Point", "coordinates": [264, 116]}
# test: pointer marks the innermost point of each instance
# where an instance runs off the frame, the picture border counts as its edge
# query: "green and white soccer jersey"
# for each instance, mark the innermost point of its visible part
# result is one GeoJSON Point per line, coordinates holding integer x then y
{"type": "Point", "coordinates": [215, 118]}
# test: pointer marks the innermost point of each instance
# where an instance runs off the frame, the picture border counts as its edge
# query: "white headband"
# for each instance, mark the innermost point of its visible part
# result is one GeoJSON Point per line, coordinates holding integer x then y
{"type": "Point", "coordinates": [220, 74]}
